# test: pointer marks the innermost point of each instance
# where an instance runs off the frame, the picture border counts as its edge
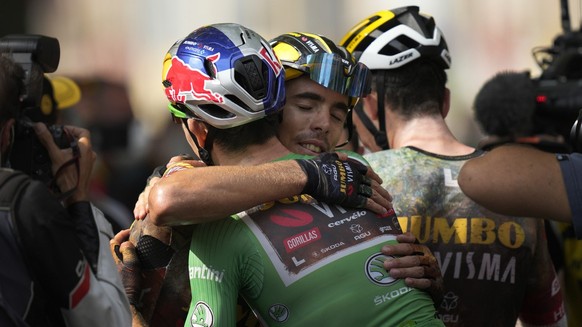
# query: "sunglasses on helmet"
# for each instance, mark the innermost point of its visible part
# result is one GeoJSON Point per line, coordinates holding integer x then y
{"type": "Point", "coordinates": [336, 74]}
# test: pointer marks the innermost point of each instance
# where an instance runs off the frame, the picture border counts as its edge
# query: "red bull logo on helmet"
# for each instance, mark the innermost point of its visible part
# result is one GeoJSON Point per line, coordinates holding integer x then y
{"type": "Point", "coordinates": [188, 83]}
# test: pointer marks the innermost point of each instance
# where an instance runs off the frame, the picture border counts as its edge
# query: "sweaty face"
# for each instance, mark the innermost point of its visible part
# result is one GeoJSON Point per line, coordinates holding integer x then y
{"type": "Point", "coordinates": [312, 118]}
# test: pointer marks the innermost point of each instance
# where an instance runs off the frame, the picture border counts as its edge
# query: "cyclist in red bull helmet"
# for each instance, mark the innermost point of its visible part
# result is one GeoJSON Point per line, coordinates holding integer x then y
{"type": "Point", "coordinates": [233, 252]}
{"type": "Point", "coordinates": [212, 204]}
{"type": "Point", "coordinates": [221, 98]}
{"type": "Point", "coordinates": [408, 57]}
{"type": "Point", "coordinates": [219, 76]}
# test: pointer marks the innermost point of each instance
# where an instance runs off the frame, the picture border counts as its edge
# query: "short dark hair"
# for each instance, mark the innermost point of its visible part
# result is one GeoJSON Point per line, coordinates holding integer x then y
{"type": "Point", "coordinates": [11, 87]}
{"type": "Point", "coordinates": [417, 88]}
{"type": "Point", "coordinates": [505, 105]}
{"type": "Point", "coordinates": [238, 139]}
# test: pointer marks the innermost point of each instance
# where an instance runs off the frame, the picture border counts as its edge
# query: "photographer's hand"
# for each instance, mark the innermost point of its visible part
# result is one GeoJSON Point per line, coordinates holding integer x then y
{"type": "Point", "coordinates": [70, 177]}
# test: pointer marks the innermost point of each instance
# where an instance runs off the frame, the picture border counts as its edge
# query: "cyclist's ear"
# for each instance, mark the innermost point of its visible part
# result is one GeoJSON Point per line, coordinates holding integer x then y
{"type": "Point", "coordinates": [200, 130]}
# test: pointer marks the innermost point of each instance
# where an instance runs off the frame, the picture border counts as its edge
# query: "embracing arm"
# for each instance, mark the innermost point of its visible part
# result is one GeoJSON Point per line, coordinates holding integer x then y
{"type": "Point", "coordinates": [416, 264]}
{"type": "Point", "coordinates": [125, 257]}
{"type": "Point", "coordinates": [202, 194]}
{"type": "Point", "coordinates": [517, 180]}
{"type": "Point", "coordinates": [208, 193]}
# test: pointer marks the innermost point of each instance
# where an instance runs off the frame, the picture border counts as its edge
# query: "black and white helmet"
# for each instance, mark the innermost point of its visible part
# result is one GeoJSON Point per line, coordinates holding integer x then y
{"type": "Point", "coordinates": [390, 39]}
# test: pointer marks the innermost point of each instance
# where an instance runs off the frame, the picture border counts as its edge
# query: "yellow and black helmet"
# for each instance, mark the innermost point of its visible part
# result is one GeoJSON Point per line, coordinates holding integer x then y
{"type": "Point", "coordinates": [389, 39]}
{"type": "Point", "coordinates": [325, 62]}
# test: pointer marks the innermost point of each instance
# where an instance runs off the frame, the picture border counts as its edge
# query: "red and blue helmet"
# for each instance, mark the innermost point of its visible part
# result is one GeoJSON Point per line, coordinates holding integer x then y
{"type": "Point", "coordinates": [224, 74]}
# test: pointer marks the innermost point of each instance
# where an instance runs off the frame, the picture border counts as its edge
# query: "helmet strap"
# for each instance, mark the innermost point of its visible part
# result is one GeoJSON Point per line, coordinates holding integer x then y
{"type": "Point", "coordinates": [350, 122]}
{"type": "Point", "coordinates": [204, 154]}
{"type": "Point", "coordinates": [379, 134]}
{"type": "Point", "coordinates": [350, 126]}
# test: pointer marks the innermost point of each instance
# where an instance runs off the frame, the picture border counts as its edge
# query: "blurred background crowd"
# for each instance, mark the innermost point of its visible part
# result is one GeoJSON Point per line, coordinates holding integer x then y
{"type": "Point", "coordinates": [114, 51]}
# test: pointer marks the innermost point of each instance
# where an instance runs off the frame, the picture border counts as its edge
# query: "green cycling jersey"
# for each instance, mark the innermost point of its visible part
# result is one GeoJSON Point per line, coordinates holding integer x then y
{"type": "Point", "coordinates": [299, 262]}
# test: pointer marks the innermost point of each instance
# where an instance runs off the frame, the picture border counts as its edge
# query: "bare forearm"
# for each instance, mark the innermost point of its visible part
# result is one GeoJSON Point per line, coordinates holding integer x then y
{"type": "Point", "coordinates": [519, 181]}
{"type": "Point", "coordinates": [209, 193]}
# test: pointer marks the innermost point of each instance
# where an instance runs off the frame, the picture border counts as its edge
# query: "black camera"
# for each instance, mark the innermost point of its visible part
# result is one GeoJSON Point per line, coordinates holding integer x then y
{"type": "Point", "coordinates": [30, 156]}
{"type": "Point", "coordinates": [37, 55]}
{"type": "Point", "coordinates": [559, 86]}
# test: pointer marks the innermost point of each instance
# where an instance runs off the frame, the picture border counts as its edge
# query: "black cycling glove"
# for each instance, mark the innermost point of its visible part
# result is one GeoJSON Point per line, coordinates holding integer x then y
{"type": "Point", "coordinates": [334, 181]}
{"type": "Point", "coordinates": [153, 253]}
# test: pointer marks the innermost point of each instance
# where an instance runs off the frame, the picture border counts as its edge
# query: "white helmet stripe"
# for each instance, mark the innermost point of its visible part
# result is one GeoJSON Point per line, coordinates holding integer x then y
{"type": "Point", "coordinates": [372, 58]}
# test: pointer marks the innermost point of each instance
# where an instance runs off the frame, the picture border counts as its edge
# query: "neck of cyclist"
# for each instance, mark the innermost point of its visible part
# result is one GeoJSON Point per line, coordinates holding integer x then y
{"type": "Point", "coordinates": [251, 155]}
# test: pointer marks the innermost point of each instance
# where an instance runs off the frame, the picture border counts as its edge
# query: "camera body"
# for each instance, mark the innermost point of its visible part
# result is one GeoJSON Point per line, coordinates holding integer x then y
{"type": "Point", "coordinates": [558, 102]}
{"type": "Point", "coordinates": [30, 156]}
{"type": "Point", "coordinates": [37, 55]}
{"type": "Point", "coordinates": [559, 86]}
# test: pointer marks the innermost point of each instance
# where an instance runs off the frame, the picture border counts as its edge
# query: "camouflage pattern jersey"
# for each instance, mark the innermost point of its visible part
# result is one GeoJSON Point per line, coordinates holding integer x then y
{"type": "Point", "coordinates": [495, 267]}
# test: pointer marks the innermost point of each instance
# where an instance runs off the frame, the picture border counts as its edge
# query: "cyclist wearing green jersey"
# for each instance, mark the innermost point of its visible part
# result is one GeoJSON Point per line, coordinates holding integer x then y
{"type": "Point", "coordinates": [296, 261]}
{"type": "Point", "coordinates": [313, 115]}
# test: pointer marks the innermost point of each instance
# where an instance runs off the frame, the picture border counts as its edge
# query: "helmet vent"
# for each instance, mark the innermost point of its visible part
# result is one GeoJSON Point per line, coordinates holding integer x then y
{"type": "Point", "coordinates": [254, 77]}
{"type": "Point", "coordinates": [357, 32]}
{"type": "Point", "coordinates": [238, 102]}
{"type": "Point", "coordinates": [251, 73]}
{"type": "Point", "coordinates": [215, 111]}
{"type": "Point", "coordinates": [398, 45]}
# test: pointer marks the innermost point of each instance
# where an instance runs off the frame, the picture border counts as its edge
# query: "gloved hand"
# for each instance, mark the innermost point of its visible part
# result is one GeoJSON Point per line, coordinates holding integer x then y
{"type": "Point", "coordinates": [128, 265]}
{"type": "Point", "coordinates": [332, 180]}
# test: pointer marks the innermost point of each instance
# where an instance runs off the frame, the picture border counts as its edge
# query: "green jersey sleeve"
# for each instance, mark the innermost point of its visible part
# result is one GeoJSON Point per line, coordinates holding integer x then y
{"type": "Point", "coordinates": [223, 261]}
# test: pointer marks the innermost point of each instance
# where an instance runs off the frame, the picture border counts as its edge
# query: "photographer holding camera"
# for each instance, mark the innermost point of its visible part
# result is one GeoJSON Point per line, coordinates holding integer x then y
{"type": "Point", "coordinates": [520, 179]}
{"type": "Point", "coordinates": [54, 245]}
